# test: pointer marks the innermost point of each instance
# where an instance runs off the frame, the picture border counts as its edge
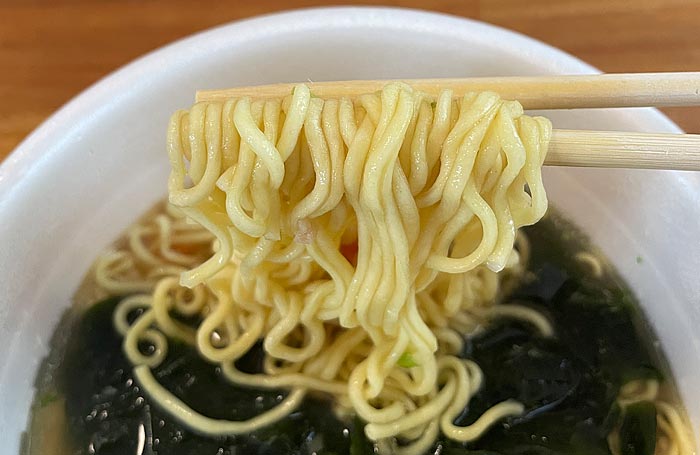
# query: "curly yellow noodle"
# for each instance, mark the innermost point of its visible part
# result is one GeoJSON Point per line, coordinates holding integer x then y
{"type": "Point", "coordinates": [347, 236]}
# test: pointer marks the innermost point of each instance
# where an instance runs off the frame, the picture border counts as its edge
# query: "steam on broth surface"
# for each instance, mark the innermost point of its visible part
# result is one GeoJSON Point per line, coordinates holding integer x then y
{"type": "Point", "coordinates": [351, 276]}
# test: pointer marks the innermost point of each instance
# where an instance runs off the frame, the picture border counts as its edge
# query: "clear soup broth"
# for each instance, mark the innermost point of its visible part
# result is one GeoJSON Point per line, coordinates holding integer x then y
{"type": "Point", "coordinates": [600, 385]}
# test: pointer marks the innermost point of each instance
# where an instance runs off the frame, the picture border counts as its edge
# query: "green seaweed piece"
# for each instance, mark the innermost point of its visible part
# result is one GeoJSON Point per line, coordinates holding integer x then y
{"type": "Point", "coordinates": [407, 361]}
{"type": "Point", "coordinates": [638, 429]}
{"type": "Point", "coordinates": [47, 398]}
{"type": "Point", "coordinates": [105, 406]}
{"type": "Point", "coordinates": [359, 444]}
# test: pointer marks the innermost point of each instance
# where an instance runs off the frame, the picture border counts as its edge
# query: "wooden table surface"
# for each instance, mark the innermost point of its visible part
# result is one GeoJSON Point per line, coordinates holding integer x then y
{"type": "Point", "coordinates": [52, 49]}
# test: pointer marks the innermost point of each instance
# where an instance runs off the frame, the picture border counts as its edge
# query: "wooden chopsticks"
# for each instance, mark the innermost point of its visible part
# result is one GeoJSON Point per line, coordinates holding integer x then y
{"type": "Point", "coordinates": [614, 149]}
{"type": "Point", "coordinates": [536, 92]}
{"type": "Point", "coordinates": [568, 147]}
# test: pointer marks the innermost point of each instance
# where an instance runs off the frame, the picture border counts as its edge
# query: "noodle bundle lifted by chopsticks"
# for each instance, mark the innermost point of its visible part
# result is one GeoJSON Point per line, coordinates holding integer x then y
{"type": "Point", "coordinates": [360, 240]}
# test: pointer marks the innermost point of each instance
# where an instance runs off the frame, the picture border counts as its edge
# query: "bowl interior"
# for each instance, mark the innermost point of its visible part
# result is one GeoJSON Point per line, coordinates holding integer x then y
{"type": "Point", "coordinates": [98, 163]}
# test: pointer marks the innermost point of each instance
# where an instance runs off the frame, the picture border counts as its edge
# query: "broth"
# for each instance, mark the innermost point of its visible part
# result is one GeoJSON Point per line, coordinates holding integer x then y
{"type": "Point", "coordinates": [87, 401]}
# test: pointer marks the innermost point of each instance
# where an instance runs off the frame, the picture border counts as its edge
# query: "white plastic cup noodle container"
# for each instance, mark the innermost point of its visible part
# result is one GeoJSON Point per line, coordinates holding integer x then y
{"type": "Point", "coordinates": [92, 168]}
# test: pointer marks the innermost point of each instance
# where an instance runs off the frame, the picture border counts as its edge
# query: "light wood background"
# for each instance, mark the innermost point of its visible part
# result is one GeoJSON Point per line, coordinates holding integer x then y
{"type": "Point", "coordinates": [52, 49]}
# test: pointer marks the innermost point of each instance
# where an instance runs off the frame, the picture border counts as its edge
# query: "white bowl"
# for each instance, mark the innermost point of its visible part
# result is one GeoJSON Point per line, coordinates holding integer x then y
{"type": "Point", "coordinates": [95, 165]}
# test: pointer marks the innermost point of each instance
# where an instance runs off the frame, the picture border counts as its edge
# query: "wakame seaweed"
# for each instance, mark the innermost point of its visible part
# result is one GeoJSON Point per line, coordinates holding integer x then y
{"type": "Point", "coordinates": [568, 383]}
{"type": "Point", "coordinates": [638, 429]}
{"type": "Point", "coordinates": [105, 407]}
